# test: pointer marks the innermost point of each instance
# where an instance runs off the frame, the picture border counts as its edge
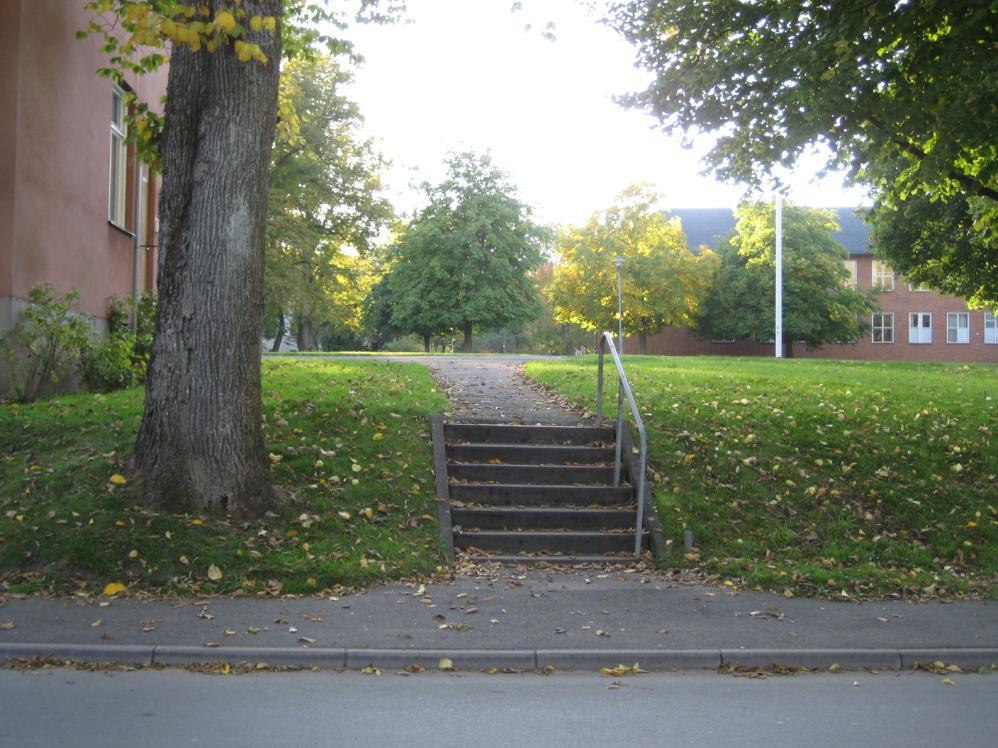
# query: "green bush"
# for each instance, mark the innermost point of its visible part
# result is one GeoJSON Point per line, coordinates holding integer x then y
{"type": "Point", "coordinates": [40, 349]}
{"type": "Point", "coordinates": [120, 360]}
{"type": "Point", "coordinates": [106, 362]}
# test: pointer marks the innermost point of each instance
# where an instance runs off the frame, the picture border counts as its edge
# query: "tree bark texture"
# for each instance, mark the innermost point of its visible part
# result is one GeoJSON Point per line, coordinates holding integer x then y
{"type": "Point", "coordinates": [466, 346]}
{"type": "Point", "coordinates": [279, 337]}
{"type": "Point", "coordinates": [200, 446]}
{"type": "Point", "coordinates": [306, 340]}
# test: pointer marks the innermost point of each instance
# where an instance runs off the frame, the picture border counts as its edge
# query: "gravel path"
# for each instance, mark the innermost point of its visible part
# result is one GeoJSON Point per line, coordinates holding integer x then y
{"type": "Point", "coordinates": [494, 389]}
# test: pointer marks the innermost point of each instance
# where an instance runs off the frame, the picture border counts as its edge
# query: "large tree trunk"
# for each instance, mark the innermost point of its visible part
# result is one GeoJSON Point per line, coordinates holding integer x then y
{"type": "Point", "coordinates": [426, 343]}
{"type": "Point", "coordinates": [200, 445]}
{"type": "Point", "coordinates": [642, 343]}
{"type": "Point", "coordinates": [466, 345]}
{"type": "Point", "coordinates": [306, 338]}
{"type": "Point", "coordinates": [281, 329]}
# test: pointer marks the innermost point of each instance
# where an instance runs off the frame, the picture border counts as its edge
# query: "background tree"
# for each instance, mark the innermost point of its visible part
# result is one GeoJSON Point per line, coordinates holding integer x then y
{"type": "Point", "coordinates": [545, 334]}
{"type": "Point", "coordinates": [463, 261]}
{"type": "Point", "coordinates": [902, 92]}
{"type": "Point", "coordinates": [324, 204]}
{"type": "Point", "coordinates": [200, 446]}
{"type": "Point", "coordinates": [663, 281]}
{"type": "Point", "coordinates": [818, 304]}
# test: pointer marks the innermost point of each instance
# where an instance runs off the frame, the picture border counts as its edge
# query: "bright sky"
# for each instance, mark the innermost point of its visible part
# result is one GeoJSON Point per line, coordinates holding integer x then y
{"type": "Point", "coordinates": [465, 74]}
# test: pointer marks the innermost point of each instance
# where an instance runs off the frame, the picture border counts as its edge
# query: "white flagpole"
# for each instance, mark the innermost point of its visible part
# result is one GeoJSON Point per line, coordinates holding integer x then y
{"type": "Point", "coordinates": [779, 276]}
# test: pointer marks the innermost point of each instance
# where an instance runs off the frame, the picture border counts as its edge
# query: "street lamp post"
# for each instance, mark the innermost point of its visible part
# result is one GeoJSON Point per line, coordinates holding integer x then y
{"type": "Point", "coordinates": [618, 261]}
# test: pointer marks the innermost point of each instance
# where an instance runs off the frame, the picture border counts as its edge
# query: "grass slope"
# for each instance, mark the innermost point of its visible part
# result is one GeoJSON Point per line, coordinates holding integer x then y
{"type": "Point", "coordinates": [820, 477]}
{"type": "Point", "coordinates": [348, 441]}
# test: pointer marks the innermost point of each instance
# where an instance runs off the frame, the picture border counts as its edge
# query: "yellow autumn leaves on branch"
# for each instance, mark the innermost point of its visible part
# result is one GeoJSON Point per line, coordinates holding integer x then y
{"type": "Point", "coordinates": [150, 24]}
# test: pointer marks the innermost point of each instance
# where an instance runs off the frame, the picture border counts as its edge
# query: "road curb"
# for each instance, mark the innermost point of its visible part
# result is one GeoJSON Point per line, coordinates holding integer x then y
{"type": "Point", "coordinates": [129, 654]}
{"type": "Point", "coordinates": [846, 659]}
{"type": "Point", "coordinates": [964, 658]}
{"type": "Point", "coordinates": [519, 659]}
{"type": "Point", "coordinates": [648, 659]}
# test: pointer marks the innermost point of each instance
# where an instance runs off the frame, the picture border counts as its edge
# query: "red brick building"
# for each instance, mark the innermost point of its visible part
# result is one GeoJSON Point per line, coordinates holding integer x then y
{"type": "Point", "coordinates": [913, 324]}
{"type": "Point", "coordinates": [76, 209]}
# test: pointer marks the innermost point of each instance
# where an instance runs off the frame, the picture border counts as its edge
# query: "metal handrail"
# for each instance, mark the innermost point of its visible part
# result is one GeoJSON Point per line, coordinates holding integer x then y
{"type": "Point", "coordinates": [604, 340]}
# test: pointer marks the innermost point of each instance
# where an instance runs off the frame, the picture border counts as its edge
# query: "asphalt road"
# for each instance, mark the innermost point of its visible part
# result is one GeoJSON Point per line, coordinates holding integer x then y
{"type": "Point", "coordinates": [173, 707]}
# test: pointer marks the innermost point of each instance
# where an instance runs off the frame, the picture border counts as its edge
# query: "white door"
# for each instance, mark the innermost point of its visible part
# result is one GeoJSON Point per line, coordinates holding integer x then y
{"type": "Point", "coordinates": [920, 327]}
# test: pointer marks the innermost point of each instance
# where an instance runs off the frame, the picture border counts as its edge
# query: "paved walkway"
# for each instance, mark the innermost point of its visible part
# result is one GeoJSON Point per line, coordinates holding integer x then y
{"type": "Point", "coordinates": [487, 617]}
{"type": "Point", "coordinates": [493, 388]}
{"type": "Point", "coordinates": [511, 618]}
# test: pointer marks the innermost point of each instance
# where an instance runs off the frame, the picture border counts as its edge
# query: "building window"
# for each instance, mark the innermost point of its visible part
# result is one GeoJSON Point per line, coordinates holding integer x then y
{"type": "Point", "coordinates": [958, 327]}
{"type": "Point", "coordinates": [883, 327]}
{"type": "Point", "coordinates": [990, 328]}
{"type": "Point", "coordinates": [119, 159]}
{"type": "Point", "coordinates": [883, 276]}
{"type": "Point", "coordinates": [853, 267]}
{"type": "Point", "coordinates": [920, 328]}
{"type": "Point", "coordinates": [918, 289]}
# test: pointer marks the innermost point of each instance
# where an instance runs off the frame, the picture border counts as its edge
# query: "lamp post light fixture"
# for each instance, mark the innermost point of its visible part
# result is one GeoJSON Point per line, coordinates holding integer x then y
{"type": "Point", "coordinates": [618, 261]}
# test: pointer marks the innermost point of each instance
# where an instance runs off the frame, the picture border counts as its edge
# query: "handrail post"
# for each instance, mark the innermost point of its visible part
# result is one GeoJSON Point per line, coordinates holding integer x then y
{"type": "Point", "coordinates": [605, 340]}
{"type": "Point", "coordinates": [617, 459]}
{"type": "Point", "coordinates": [599, 381]}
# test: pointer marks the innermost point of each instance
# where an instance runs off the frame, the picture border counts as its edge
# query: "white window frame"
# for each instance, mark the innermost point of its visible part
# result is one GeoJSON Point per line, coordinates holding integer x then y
{"type": "Point", "coordinates": [918, 289]}
{"type": "Point", "coordinates": [954, 328]}
{"type": "Point", "coordinates": [991, 328]}
{"type": "Point", "coordinates": [920, 333]}
{"type": "Point", "coordinates": [117, 187]}
{"type": "Point", "coordinates": [881, 276]}
{"type": "Point", "coordinates": [882, 330]}
{"type": "Point", "coordinates": [853, 267]}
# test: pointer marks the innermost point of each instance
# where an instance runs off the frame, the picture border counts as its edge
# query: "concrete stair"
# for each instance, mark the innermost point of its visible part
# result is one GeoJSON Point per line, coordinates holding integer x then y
{"type": "Point", "coordinates": [534, 493]}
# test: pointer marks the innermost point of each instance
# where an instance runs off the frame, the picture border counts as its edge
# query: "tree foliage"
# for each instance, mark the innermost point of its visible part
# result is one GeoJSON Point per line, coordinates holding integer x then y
{"type": "Point", "coordinates": [136, 36]}
{"type": "Point", "coordinates": [902, 92]}
{"type": "Point", "coordinates": [324, 207]}
{"type": "Point", "coordinates": [463, 261]}
{"type": "Point", "coordinates": [663, 281]}
{"type": "Point", "coordinates": [818, 305]}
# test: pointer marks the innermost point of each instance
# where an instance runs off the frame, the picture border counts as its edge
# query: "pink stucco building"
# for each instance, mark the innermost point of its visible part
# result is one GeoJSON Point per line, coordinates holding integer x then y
{"type": "Point", "coordinates": [76, 209]}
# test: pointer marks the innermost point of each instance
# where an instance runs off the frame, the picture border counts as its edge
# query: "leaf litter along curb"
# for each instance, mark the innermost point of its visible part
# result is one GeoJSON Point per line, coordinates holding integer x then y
{"type": "Point", "coordinates": [845, 480]}
{"type": "Point", "coordinates": [358, 510]}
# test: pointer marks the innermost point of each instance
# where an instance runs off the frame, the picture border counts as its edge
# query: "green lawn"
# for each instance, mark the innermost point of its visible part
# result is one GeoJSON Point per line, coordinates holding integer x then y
{"type": "Point", "coordinates": [819, 477]}
{"type": "Point", "coordinates": [348, 442]}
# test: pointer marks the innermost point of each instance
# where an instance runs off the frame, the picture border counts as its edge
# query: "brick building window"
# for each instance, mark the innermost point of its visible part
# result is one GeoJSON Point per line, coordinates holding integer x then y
{"type": "Point", "coordinates": [853, 267]}
{"type": "Point", "coordinates": [958, 327]}
{"type": "Point", "coordinates": [883, 276]}
{"type": "Point", "coordinates": [118, 179]}
{"type": "Point", "coordinates": [920, 328]}
{"type": "Point", "coordinates": [882, 329]}
{"type": "Point", "coordinates": [990, 328]}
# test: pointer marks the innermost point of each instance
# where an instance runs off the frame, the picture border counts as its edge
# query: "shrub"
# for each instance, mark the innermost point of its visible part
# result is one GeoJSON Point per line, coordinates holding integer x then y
{"type": "Point", "coordinates": [41, 348]}
{"type": "Point", "coordinates": [120, 360]}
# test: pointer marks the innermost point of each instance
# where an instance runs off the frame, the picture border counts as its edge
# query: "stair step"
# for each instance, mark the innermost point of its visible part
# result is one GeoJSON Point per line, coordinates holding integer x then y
{"type": "Point", "coordinates": [546, 474]}
{"type": "Point", "coordinates": [548, 518]}
{"type": "Point", "coordinates": [505, 494]}
{"type": "Point", "coordinates": [554, 542]}
{"type": "Point", "coordinates": [489, 433]}
{"type": "Point", "coordinates": [530, 454]}
{"type": "Point", "coordinates": [556, 559]}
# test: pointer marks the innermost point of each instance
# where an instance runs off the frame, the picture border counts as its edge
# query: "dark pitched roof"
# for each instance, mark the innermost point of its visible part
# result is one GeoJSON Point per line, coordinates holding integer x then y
{"type": "Point", "coordinates": [710, 225]}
